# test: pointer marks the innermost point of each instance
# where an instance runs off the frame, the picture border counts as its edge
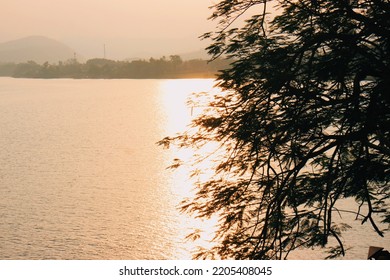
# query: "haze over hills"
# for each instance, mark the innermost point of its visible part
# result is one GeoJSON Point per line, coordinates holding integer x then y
{"type": "Point", "coordinates": [42, 49]}
{"type": "Point", "coordinates": [36, 48]}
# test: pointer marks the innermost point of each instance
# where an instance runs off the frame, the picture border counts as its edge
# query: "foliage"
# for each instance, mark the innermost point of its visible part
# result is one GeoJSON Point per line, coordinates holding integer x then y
{"type": "Point", "coordinates": [97, 68]}
{"type": "Point", "coordinates": [303, 124]}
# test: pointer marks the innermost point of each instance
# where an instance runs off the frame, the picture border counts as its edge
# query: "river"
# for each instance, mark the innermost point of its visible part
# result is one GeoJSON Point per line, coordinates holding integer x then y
{"type": "Point", "coordinates": [81, 176]}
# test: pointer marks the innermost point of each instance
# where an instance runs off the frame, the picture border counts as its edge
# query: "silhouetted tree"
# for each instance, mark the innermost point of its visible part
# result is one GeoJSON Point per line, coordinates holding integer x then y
{"type": "Point", "coordinates": [303, 122]}
{"type": "Point", "coordinates": [7, 69]}
{"type": "Point", "coordinates": [29, 69]}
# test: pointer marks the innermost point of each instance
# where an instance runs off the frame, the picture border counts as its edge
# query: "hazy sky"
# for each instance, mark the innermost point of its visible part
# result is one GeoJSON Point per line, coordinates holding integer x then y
{"type": "Point", "coordinates": [128, 28]}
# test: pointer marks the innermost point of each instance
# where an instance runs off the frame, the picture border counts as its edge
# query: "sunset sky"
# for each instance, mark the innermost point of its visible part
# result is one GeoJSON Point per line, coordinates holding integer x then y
{"type": "Point", "coordinates": [128, 28]}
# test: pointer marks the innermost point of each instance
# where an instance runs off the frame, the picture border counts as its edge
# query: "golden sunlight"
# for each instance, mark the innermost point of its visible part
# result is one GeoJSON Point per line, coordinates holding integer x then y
{"type": "Point", "coordinates": [176, 100]}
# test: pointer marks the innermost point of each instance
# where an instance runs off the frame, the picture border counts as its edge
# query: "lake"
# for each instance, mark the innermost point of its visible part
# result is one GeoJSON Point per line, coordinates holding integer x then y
{"type": "Point", "coordinates": [81, 176]}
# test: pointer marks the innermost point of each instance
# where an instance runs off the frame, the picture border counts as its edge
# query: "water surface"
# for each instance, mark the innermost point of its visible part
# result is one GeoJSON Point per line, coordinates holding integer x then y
{"type": "Point", "coordinates": [81, 176]}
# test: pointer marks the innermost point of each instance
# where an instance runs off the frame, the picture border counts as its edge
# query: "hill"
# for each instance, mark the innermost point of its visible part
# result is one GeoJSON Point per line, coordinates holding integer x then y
{"type": "Point", "coordinates": [36, 48]}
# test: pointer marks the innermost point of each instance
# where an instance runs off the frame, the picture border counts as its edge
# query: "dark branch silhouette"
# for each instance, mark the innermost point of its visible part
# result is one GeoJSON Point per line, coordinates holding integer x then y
{"type": "Point", "coordinates": [303, 123]}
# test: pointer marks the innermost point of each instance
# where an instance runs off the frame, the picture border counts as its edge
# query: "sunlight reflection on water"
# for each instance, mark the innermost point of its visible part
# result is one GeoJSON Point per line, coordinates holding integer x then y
{"type": "Point", "coordinates": [175, 99]}
{"type": "Point", "coordinates": [82, 177]}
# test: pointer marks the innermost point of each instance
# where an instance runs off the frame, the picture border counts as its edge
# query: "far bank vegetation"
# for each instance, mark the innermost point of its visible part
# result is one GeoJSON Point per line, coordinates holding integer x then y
{"type": "Point", "coordinates": [100, 68]}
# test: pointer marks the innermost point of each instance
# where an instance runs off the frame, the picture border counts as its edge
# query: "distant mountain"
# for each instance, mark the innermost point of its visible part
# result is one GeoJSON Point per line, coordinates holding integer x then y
{"type": "Point", "coordinates": [37, 48]}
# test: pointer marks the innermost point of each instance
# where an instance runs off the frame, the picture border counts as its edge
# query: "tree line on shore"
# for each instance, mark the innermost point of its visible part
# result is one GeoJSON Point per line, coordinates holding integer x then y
{"type": "Point", "coordinates": [99, 68]}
